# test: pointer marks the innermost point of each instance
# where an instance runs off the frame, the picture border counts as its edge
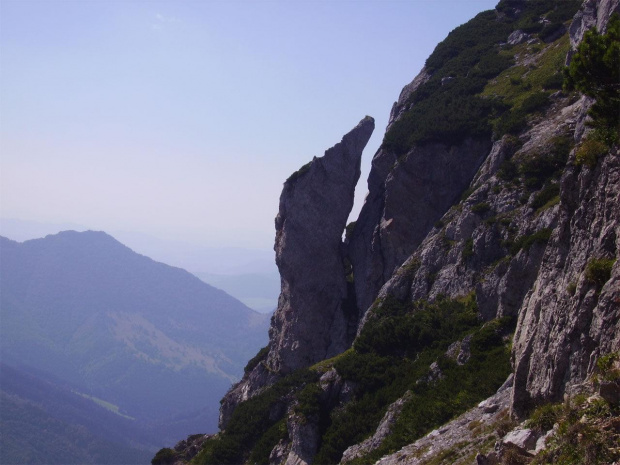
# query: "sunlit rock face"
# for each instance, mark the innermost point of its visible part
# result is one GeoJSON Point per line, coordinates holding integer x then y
{"type": "Point", "coordinates": [314, 319]}
{"type": "Point", "coordinates": [311, 322]}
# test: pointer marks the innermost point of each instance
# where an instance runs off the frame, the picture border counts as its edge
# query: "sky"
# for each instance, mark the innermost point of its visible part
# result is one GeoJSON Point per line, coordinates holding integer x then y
{"type": "Point", "coordinates": [182, 119]}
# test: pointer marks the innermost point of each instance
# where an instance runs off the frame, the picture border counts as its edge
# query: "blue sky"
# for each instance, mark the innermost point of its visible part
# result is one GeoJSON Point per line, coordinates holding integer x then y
{"type": "Point", "coordinates": [182, 119]}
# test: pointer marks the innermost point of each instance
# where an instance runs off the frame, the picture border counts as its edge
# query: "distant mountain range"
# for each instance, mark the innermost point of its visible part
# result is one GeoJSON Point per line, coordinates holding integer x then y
{"type": "Point", "coordinates": [149, 344]}
{"type": "Point", "coordinates": [248, 274]}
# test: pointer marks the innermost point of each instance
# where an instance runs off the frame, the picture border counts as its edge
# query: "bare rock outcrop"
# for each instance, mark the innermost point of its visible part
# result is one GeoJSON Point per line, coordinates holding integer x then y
{"type": "Point", "coordinates": [315, 318]}
{"type": "Point", "coordinates": [567, 321]}
{"type": "Point", "coordinates": [311, 323]}
{"type": "Point", "coordinates": [431, 177]}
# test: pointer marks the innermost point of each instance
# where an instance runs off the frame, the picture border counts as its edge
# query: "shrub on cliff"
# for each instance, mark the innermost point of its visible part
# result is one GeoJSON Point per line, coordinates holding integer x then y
{"type": "Point", "coordinates": [595, 71]}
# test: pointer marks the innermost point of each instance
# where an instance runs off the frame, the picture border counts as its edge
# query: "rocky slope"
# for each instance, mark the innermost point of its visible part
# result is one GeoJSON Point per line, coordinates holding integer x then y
{"type": "Point", "coordinates": [484, 224]}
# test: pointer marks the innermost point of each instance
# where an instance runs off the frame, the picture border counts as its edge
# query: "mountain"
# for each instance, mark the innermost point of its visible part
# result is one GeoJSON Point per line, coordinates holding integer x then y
{"type": "Point", "coordinates": [151, 342]}
{"type": "Point", "coordinates": [471, 314]}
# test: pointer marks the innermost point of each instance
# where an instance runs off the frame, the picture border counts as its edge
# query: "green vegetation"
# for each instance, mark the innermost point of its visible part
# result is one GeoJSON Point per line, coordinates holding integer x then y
{"type": "Point", "coordinates": [475, 88]}
{"type": "Point", "coordinates": [165, 456]}
{"type": "Point", "coordinates": [392, 355]}
{"type": "Point", "coordinates": [447, 107]}
{"type": "Point", "coordinates": [536, 168]}
{"type": "Point", "coordinates": [590, 150]}
{"type": "Point", "coordinates": [301, 171]}
{"type": "Point", "coordinates": [481, 208]}
{"type": "Point", "coordinates": [585, 428]}
{"type": "Point", "coordinates": [525, 242]}
{"type": "Point", "coordinates": [606, 367]}
{"type": "Point", "coordinates": [544, 417]}
{"type": "Point", "coordinates": [598, 271]}
{"type": "Point", "coordinates": [253, 425]}
{"type": "Point", "coordinates": [468, 249]}
{"type": "Point", "coordinates": [548, 196]}
{"type": "Point", "coordinates": [595, 71]}
{"type": "Point", "coordinates": [264, 446]}
{"type": "Point", "coordinates": [254, 361]}
{"type": "Point", "coordinates": [585, 433]}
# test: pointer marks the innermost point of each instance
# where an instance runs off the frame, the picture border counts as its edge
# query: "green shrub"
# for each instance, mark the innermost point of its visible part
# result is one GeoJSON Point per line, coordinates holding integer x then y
{"type": "Point", "coordinates": [590, 150]}
{"type": "Point", "coordinates": [481, 208]}
{"type": "Point", "coordinates": [544, 417]}
{"type": "Point", "coordinates": [595, 71]}
{"type": "Point", "coordinates": [555, 81]}
{"type": "Point", "coordinates": [538, 167]}
{"type": "Point", "coordinates": [309, 400]}
{"type": "Point", "coordinates": [598, 271]}
{"type": "Point", "coordinates": [551, 31]}
{"type": "Point", "coordinates": [431, 403]}
{"type": "Point", "coordinates": [605, 365]}
{"type": "Point", "coordinates": [535, 103]}
{"type": "Point", "coordinates": [264, 446]}
{"type": "Point", "coordinates": [165, 456]}
{"type": "Point", "coordinates": [548, 193]}
{"type": "Point", "coordinates": [468, 249]}
{"type": "Point", "coordinates": [254, 361]}
{"type": "Point", "coordinates": [252, 420]}
{"type": "Point", "coordinates": [300, 172]}
{"type": "Point", "coordinates": [582, 436]}
{"type": "Point", "coordinates": [508, 170]}
{"type": "Point", "coordinates": [525, 242]}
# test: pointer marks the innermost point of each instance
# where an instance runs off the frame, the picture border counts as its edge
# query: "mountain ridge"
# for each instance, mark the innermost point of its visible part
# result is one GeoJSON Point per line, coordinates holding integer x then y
{"type": "Point", "coordinates": [123, 330]}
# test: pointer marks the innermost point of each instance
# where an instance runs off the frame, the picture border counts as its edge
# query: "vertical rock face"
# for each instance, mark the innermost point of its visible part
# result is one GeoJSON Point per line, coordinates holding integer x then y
{"type": "Point", "coordinates": [593, 13]}
{"type": "Point", "coordinates": [310, 323]}
{"type": "Point", "coordinates": [567, 321]}
{"type": "Point", "coordinates": [313, 320]}
{"type": "Point", "coordinates": [407, 196]}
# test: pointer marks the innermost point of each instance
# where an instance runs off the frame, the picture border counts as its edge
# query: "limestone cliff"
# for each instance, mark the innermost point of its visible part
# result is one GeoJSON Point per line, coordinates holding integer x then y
{"type": "Point", "coordinates": [315, 319]}
{"type": "Point", "coordinates": [490, 220]}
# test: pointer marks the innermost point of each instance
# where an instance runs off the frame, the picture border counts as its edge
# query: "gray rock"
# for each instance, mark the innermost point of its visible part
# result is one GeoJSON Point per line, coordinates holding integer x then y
{"type": "Point", "coordinates": [304, 436]}
{"type": "Point", "coordinates": [518, 37]}
{"type": "Point", "coordinates": [382, 431]}
{"type": "Point", "coordinates": [522, 438]}
{"type": "Point", "coordinates": [610, 391]}
{"type": "Point", "coordinates": [560, 334]}
{"type": "Point", "coordinates": [389, 230]}
{"type": "Point", "coordinates": [280, 452]}
{"type": "Point", "coordinates": [593, 13]}
{"type": "Point", "coordinates": [311, 323]}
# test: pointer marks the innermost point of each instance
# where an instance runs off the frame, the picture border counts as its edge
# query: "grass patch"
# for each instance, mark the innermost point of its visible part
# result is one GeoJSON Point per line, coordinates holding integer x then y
{"type": "Point", "coordinates": [548, 196]}
{"type": "Point", "coordinates": [598, 271]}
{"type": "Point", "coordinates": [468, 249]}
{"type": "Point", "coordinates": [527, 241]}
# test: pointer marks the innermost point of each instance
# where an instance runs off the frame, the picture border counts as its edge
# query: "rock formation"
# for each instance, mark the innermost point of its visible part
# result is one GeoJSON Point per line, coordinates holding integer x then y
{"type": "Point", "coordinates": [315, 318]}
{"type": "Point", "coordinates": [311, 322]}
{"type": "Point", "coordinates": [513, 224]}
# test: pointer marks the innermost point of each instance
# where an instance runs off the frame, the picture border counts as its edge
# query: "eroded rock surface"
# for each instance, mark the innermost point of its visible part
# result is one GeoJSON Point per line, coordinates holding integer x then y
{"type": "Point", "coordinates": [314, 319]}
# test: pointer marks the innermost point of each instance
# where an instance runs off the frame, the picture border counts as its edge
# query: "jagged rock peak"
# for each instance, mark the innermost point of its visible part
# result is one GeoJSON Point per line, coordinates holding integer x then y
{"type": "Point", "coordinates": [315, 318]}
{"type": "Point", "coordinates": [310, 323]}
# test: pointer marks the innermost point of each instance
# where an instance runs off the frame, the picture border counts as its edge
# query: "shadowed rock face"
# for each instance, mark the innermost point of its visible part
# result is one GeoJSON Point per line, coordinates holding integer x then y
{"type": "Point", "coordinates": [406, 197]}
{"type": "Point", "coordinates": [311, 323]}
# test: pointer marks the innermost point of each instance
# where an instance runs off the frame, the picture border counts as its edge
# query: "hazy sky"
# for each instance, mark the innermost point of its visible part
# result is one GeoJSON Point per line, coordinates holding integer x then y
{"type": "Point", "coordinates": [182, 119]}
